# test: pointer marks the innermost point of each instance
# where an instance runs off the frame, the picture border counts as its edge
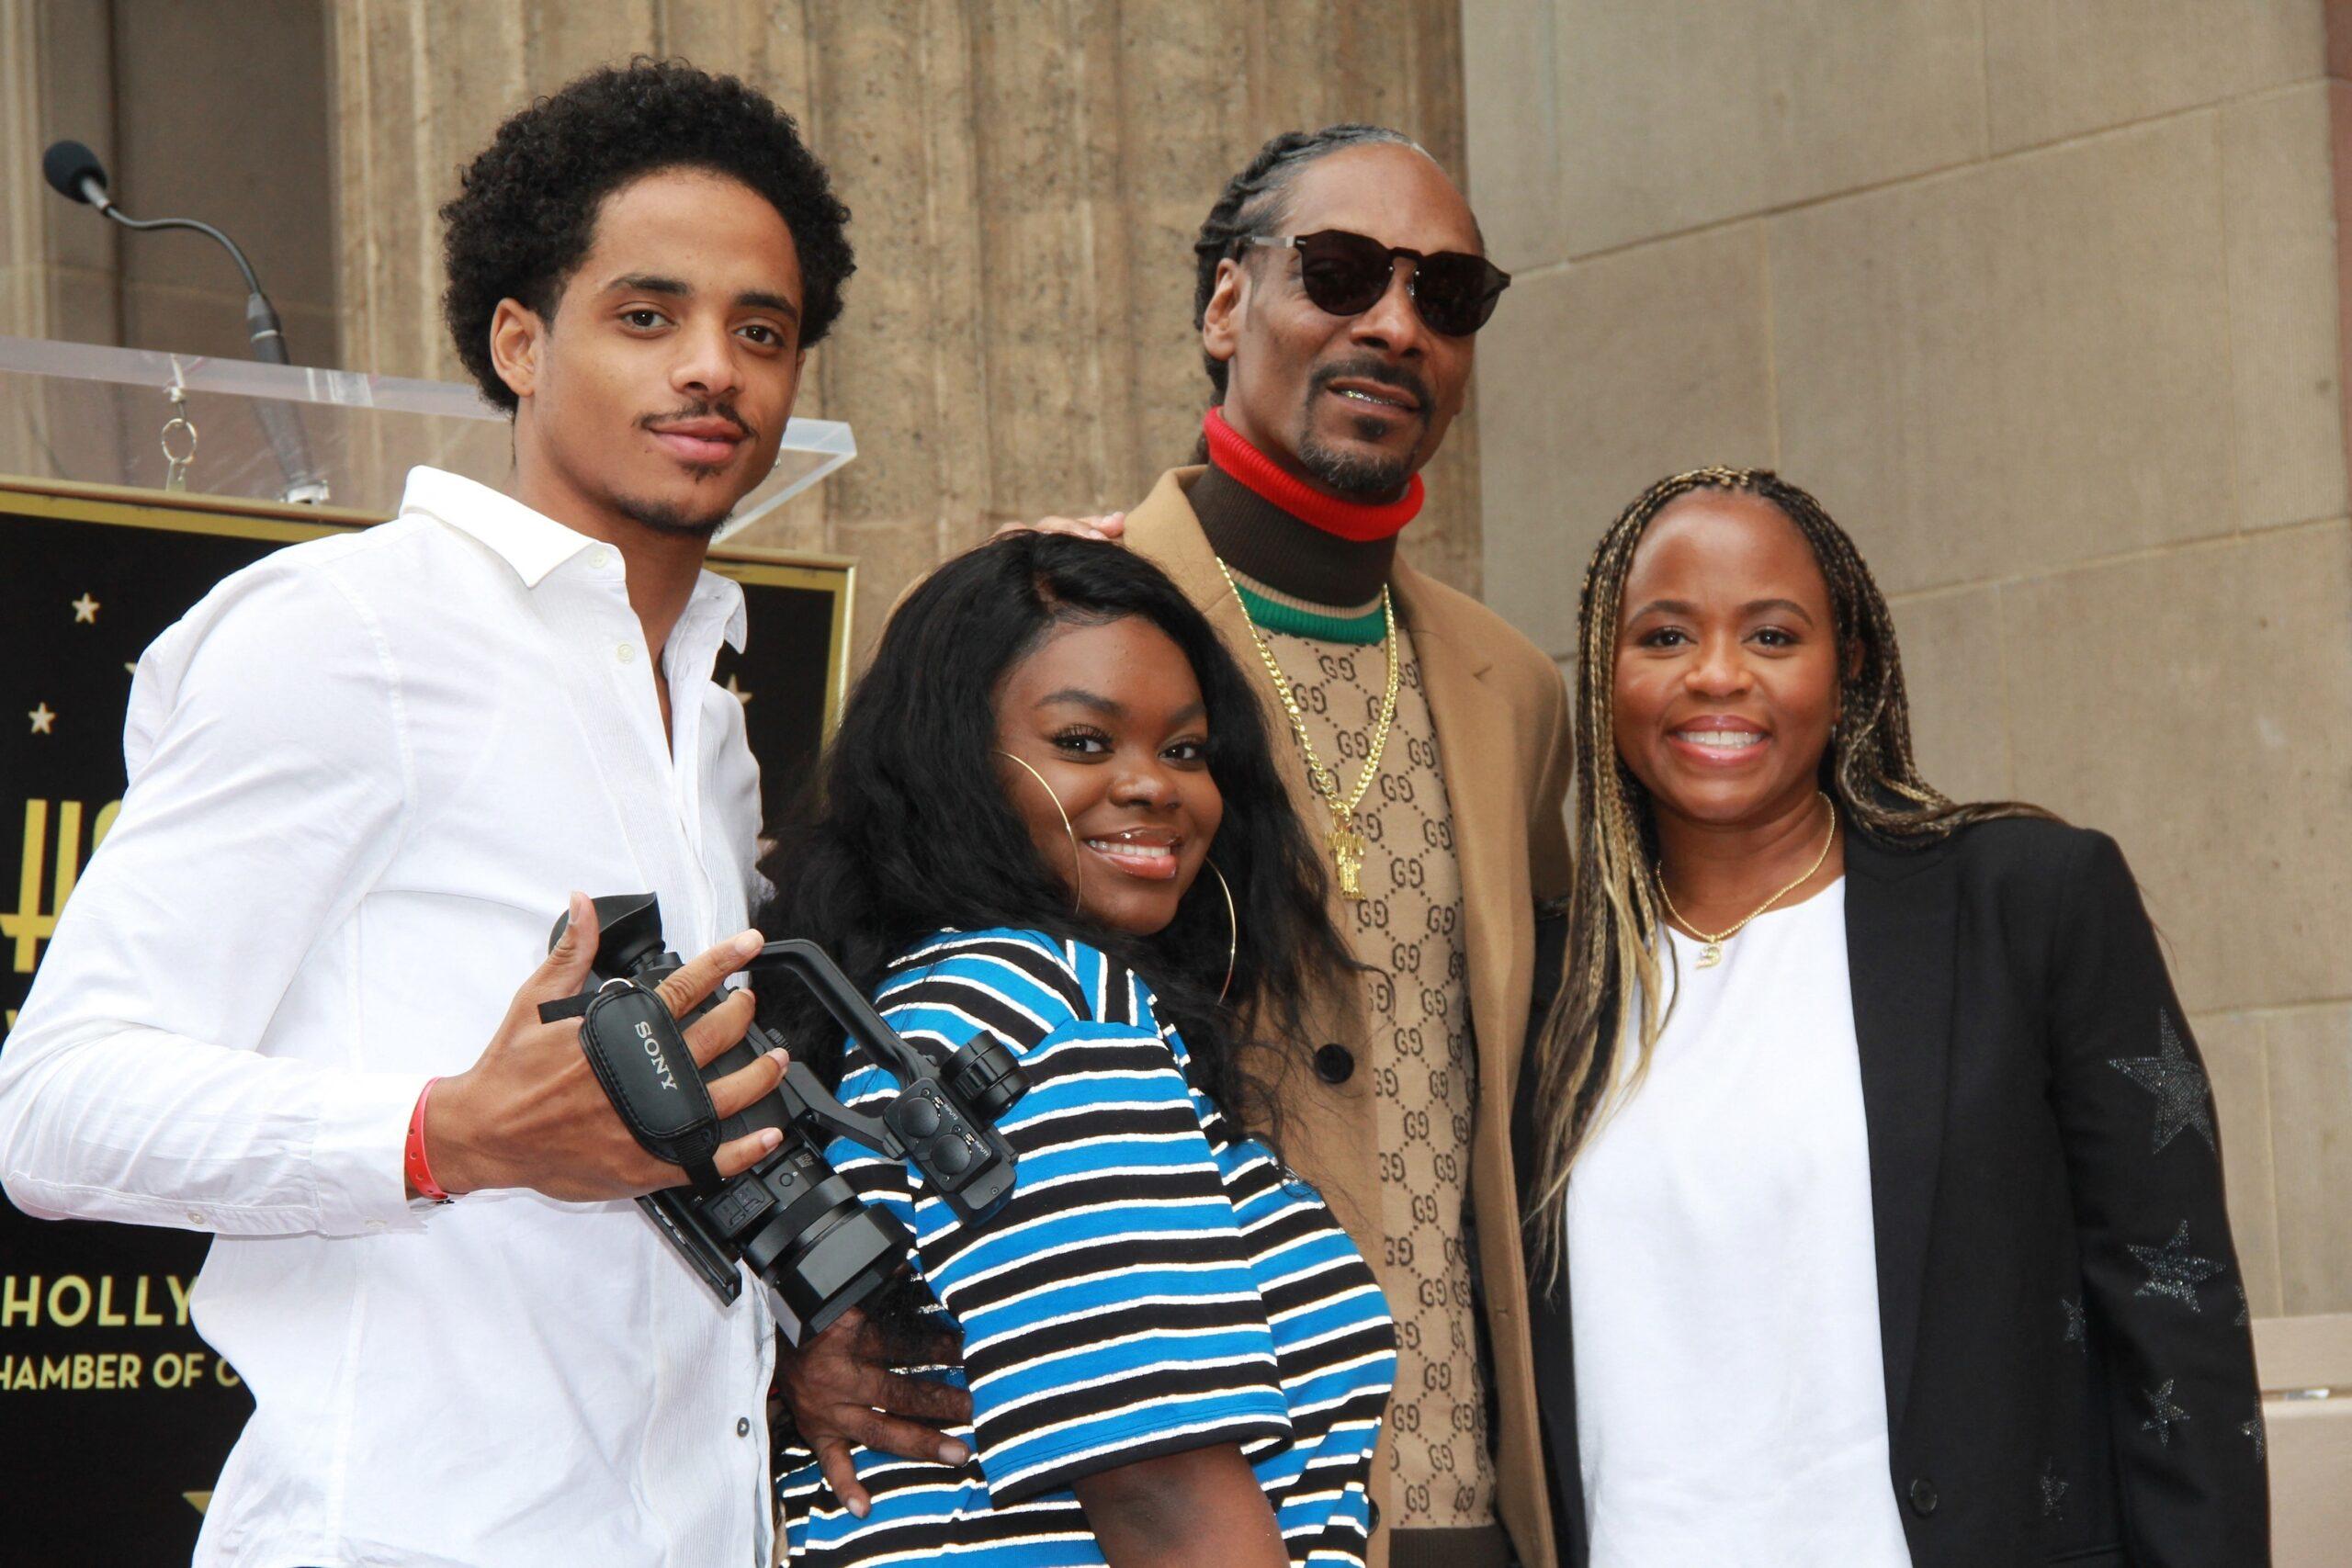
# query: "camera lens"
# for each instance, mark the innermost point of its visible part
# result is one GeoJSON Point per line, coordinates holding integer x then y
{"type": "Point", "coordinates": [818, 1264]}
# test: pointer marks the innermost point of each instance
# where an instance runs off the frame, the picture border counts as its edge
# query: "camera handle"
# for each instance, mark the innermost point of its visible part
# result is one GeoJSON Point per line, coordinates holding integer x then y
{"type": "Point", "coordinates": [810, 1103]}
{"type": "Point", "coordinates": [807, 1099]}
{"type": "Point", "coordinates": [810, 965]}
{"type": "Point", "coordinates": [944, 1122]}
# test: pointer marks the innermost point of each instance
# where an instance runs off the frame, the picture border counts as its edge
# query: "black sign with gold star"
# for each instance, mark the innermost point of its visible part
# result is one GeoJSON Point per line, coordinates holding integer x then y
{"type": "Point", "coordinates": [115, 1415]}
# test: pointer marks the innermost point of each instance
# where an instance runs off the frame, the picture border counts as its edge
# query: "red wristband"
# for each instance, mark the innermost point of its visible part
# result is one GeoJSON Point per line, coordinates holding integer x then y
{"type": "Point", "coordinates": [420, 1172]}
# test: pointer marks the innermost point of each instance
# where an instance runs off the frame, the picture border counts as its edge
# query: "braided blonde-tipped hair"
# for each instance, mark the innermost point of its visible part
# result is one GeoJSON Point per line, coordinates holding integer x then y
{"type": "Point", "coordinates": [1611, 969]}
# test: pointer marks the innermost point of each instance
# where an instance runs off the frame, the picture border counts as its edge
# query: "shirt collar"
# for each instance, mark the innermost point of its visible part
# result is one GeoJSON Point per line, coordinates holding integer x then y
{"type": "Point", "coordinates": [535, 543]}
{"type": "Point", "coordinates": [531, 542]}
{"type": "Point", "coordinates": [718, 597]}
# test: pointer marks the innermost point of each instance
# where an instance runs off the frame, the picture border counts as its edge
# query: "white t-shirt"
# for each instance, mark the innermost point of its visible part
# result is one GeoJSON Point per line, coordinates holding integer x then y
{"type": "Point", "coordinates": [1731, 1403]}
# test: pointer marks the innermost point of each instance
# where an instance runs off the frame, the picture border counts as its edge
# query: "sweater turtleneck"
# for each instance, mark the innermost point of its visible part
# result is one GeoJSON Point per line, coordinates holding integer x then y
{"type": "Point", "coordinates": [1277, 530]}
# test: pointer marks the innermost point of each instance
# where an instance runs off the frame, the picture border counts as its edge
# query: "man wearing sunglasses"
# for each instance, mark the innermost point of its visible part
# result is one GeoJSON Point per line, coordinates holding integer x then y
{"type": "Point", "coordinates": [1341, 284]}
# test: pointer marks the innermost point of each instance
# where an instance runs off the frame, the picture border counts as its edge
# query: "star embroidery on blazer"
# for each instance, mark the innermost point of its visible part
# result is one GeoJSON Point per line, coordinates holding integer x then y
{"type": "Point", "coordinates": [2053, 1491]}
{"type": "Point", "coordinates": [2078, 1331]}
{"type": "Point", "coordinates": [2163, 1412]}
{"type": "Point", "coordinates": [2176, 1081]}
{"type": "Point", "coordinates": [2173, 1270]}
{"type": "Point", "coordinates": [2257, 1431]}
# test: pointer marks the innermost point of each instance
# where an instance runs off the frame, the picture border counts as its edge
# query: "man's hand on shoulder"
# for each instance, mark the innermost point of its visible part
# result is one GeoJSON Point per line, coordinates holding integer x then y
{"type": "Point", "coordinates": [530, 1112]}
{"type": "Point", "coordinates": [1108, 527]}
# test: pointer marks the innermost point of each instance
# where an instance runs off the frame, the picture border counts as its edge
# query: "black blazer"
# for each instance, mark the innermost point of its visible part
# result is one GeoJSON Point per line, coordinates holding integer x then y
{"type": "Point", "coordinates": [2069, 1374]}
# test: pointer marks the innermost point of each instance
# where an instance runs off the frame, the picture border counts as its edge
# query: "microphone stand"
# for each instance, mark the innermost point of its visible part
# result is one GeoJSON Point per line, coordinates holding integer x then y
{"type": "Point", "coordinates": [279, 423]}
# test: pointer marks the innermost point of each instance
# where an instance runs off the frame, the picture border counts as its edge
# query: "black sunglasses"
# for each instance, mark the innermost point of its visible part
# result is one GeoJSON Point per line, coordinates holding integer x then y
{"type": "Point", "coordinates": [1345, 275]}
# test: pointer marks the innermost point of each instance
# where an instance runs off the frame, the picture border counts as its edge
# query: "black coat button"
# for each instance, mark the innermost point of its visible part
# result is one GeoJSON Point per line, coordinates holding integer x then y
{"type": "Point", "coordinates": [1923, 1498]}
{"type": "Point", "coordinates": [1335, 1064]}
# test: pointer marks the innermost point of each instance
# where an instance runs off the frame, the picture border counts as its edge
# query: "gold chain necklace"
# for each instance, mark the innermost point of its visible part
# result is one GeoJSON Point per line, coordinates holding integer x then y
{"type": "Point", "coordinates": [1347, 844]}
{"type": "Point", "coordinates": [1713, 954]}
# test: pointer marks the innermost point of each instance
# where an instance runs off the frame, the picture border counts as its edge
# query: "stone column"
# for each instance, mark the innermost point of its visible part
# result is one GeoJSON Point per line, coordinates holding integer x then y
{"type": "Point", "coordinates": [1026, 179]}
{"type": "Point", "coordinates": [2048, 304]}
{"type": "Point", "coordinates": [58, 267]}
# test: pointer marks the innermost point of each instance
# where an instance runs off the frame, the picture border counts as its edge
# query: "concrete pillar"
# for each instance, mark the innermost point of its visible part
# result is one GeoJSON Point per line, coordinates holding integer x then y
{"type": "Point", "coordinates": [2095, 458]}
{"type": "Point", "coordinates": [59, 267]}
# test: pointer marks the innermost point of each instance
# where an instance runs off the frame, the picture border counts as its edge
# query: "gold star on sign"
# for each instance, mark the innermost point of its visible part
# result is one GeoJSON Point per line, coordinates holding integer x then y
{"type": "Point", "coordinates": [42, 718]}
{"type": "Point", "coordinates": [738, 692]}
{"type": "Point", "coordinates": [85, 609]}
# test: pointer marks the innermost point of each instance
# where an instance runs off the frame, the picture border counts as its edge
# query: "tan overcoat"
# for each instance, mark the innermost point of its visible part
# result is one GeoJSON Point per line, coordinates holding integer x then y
{"type": "Point", "coordinates": [1501, 713]}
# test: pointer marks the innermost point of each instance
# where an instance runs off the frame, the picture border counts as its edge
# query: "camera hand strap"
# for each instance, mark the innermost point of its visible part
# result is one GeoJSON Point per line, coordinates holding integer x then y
{"type": "Point", "coordinates": [641, 1061]}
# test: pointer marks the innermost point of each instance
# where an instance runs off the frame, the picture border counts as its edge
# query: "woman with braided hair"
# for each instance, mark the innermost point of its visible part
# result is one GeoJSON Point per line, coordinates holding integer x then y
{"type": "Point", "coordinates": [1874, 1203]}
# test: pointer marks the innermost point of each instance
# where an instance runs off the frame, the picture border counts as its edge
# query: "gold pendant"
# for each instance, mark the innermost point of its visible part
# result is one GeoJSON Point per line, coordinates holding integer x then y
{"type": "Point", "coordinates": [1709, 955]}
{"type": "Point", "coordinates": [1347, 849]}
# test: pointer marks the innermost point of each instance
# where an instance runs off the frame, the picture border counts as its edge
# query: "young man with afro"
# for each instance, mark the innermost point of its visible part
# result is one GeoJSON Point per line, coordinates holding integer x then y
{"type": "Point", "coordinates": [366, 773]}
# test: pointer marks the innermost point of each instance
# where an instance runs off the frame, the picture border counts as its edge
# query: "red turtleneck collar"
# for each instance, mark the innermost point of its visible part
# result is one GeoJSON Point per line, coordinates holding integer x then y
{"type": "Point", "coordinates": [1352, 520]}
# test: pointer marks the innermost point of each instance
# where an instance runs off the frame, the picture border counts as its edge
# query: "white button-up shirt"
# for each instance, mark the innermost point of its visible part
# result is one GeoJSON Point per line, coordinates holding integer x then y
{"type": "Point", "coordinates": [365, 774]}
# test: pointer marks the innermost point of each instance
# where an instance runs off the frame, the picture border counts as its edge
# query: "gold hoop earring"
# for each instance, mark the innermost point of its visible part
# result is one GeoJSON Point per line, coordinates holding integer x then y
{"type": "Point", "coordinates": [1077, 865]}
{"type": "Point", "coordinates": [1232, 923]}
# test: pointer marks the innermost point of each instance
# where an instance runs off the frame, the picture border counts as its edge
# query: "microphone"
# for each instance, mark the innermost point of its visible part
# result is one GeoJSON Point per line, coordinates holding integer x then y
{"type": "Point", "coordinates": [74, 172]}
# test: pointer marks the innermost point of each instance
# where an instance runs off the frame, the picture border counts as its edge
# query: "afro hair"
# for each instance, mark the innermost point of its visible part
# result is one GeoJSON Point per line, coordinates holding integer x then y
{"type": "Point", "coordinates": [525, 211]}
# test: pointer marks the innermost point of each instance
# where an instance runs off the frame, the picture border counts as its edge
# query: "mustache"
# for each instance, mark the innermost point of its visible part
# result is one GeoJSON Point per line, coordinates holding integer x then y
{"type": "Point", "coordinates": [717, 409]}
{"type": "Point", "coordinates": [1378, 372]}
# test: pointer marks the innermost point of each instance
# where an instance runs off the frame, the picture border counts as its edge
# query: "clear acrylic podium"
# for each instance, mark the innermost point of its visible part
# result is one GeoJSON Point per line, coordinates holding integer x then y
{"type": "Point", "coordinates": [82, 415]}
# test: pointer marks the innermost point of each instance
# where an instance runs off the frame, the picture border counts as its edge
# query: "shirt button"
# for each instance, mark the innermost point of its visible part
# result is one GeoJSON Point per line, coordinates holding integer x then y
{"type": "Point", "coordinates": [375, 1225]}
{"type": "Point", "coordinates": [1335, 1063]}
{"type": "Point", "coordinates": [196, 1216]}
{"type": "Point", "coordinates": [1923, 1498]}
{"type": "Point", "coordinates": [602, 561]}
{"type": "Point", "coordinates": [742, 1426]}
{"type": "Point", "coordinates": [625, 652]}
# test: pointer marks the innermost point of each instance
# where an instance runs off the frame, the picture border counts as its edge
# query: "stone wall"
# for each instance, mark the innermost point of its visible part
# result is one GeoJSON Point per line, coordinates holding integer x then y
{"type": "Point", "coordinates": [1026, 177]}
{"type": "Point", "coordinates": [212, 109]}
{"type": "Point", "coordinates": [2043, 302]}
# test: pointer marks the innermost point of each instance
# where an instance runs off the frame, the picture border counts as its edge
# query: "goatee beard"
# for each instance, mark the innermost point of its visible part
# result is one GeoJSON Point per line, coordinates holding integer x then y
{"type": "Point", "coordinates": [669, 519]}
{"type": "Point", "coordinates": [1355, 476]}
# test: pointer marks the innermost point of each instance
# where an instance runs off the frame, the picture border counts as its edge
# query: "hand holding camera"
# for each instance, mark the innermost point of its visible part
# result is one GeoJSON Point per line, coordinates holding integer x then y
{"type": "Point", "coordinates": [788, 1216]}
{"type": "Point", "coordinates": [531, 1113]}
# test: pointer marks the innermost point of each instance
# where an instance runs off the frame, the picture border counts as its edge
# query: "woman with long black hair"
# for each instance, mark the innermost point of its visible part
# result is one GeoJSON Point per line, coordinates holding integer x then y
{"type": "Point", "coordinates": [1051, 812]}
{"type": "Point", "coordinates": [1873, 1182]}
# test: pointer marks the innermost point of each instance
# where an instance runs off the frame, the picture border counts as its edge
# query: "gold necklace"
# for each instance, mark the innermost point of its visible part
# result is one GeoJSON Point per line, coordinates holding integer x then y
{"type": "Point", "coordinates": [1713, 954]}
{"type": "Point", "coordinates": [1347, 844]}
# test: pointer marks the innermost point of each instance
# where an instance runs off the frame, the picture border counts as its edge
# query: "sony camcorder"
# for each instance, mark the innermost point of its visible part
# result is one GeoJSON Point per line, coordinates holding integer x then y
{"type": "Point", "coordinates": [799, 1227]}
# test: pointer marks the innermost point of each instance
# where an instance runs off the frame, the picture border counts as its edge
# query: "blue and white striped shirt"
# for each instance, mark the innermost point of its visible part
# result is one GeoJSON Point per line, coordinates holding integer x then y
{"type": "Point", "coordinates": [1156, 1283]}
